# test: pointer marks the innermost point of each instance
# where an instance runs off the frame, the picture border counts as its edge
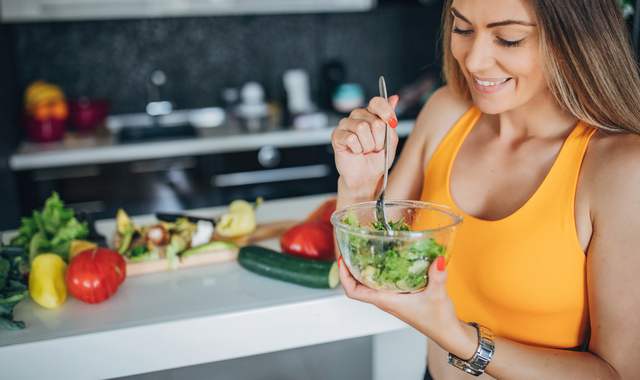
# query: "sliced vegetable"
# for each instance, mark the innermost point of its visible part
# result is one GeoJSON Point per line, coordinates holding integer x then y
{"type": "Point", "coordinates": [177, 245]}
{"type": "Point", "coordinates": [240, 220]}
{"type": "Point", "coordinates": [156, 234]}
{"type": "Point", "coordinates": [125, 240]}
{"type": "Point", "coordinates": [122, 222]}
{"type": "Point", "coordinates": [209, 247]}
{"type": "Point", "coordinates": [312, 239]}
{"type": "Point", "coordinates": [296, 270]}
{"type": "Point", "coordinates": [139, 250]}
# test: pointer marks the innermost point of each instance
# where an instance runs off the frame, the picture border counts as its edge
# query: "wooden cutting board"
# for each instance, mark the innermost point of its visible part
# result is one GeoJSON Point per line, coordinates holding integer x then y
{"type": "Point", "coordinates": [263, 231]}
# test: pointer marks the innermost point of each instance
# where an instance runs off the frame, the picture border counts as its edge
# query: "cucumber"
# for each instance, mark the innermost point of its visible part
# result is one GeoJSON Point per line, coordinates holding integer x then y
{"type": "Point", "coordinates": [297, 270]}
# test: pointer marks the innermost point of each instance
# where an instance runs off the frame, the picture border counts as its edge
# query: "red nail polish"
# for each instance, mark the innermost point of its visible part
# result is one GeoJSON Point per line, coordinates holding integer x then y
{"type": "Point", "coordinates": [379, 151]}
{"type": "Point", "coordinates": [364, 154]}
{"type": "Point", "coordinates": [393, 123]}
{"type": "Point", "coordinates": [339, 260]}
{"type": "Point", "coordinates": [440, 263]}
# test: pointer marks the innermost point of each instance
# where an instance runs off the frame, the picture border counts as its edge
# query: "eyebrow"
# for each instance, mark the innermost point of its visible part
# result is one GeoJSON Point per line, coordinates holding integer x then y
{"type": "Point", "coordinates": [459, 15]}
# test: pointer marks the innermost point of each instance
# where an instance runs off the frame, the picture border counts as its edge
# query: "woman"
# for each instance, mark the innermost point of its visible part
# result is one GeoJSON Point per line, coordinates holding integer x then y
{"type": "Point", "coordinates": [535, 141]}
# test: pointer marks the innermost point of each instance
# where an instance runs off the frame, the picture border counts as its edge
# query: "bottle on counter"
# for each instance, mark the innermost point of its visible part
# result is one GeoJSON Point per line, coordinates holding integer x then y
{"type": "Point", "coordinates": [253, 111]}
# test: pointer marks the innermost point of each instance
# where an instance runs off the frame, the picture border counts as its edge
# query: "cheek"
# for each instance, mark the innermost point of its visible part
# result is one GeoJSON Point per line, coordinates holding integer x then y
{"type": "Point", "coordinates": [526, 66]}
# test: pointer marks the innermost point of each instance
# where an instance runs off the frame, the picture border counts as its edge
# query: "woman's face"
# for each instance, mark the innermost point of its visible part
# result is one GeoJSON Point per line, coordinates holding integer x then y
{"type": "Point", "coordinates": [496, 44]}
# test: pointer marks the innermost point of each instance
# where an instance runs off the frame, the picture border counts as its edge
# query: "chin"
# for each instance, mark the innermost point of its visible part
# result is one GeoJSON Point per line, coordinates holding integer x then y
{"type": "Point", "coordinates": [489, 107]}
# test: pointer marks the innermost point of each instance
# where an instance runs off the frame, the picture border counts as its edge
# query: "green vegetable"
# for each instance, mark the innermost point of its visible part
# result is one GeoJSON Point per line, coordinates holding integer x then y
{"type": "Point", "coordinates": [176, 245]}
{"type": "Point", "coordinates": [148, 256]}
{"type": "Point", "coordinates": [13, 286]}
{"type": "Point", "coordinates": [139, 250]}
{"type": "Point", "coordinates": [213, 246]}
{"type": "Point", "coordinates": [125, 239]}
{"type": "Point", "coordinates": [50, 230]}
{"type": "Point", "coordinates": [389, 263]}
{"type": "Point", "coordinates": [297, 270]}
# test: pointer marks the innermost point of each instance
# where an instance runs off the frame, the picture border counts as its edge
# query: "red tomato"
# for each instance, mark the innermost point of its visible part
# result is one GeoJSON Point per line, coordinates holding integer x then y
{"type": "Point", "coordinates": [95, 274]}
{"type": "Point", "coordinates": [312, 239]}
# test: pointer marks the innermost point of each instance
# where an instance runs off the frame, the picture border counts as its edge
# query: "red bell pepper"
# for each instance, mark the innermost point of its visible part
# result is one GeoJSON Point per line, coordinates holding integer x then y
{"type": "Point", "coordinates": [312, 239]}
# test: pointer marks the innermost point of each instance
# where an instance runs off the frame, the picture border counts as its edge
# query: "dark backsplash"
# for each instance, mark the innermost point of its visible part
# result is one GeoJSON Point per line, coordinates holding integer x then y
{"type": "Point", "coordinates": [203, 55]}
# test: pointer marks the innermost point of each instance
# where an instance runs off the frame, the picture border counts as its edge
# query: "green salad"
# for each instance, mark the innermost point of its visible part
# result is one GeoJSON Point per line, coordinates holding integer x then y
{"type": "Point", "coordinates": [389, 264]}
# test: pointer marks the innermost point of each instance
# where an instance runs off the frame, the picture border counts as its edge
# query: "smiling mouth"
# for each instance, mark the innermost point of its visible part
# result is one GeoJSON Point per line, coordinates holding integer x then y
{"type": "Point", "coordinates": [485, 83]}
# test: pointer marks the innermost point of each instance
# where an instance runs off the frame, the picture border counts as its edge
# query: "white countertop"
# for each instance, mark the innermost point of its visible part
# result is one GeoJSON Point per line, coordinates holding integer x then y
{"type": "Point", "coordinates": [95, 150]}
{"type": "Point", "coordinates": [185, 317]}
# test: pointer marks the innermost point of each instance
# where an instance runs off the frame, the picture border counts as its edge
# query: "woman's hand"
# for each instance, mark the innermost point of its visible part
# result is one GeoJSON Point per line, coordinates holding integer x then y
{"type": "Point", "coordinates": [430, 311]}
{"type": "Point", "coordinates": [357, 140]}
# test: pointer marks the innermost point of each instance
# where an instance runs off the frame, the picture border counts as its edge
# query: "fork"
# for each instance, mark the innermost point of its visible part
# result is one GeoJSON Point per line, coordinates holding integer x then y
{"type": "Point", "coordinates": [380, 210]}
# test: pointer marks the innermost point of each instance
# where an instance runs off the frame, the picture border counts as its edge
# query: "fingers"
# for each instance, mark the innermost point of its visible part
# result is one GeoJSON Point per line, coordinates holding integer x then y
{"type": "Point", "coordinates": [438, 278]}
{"type": "Point", "coordinates": [385, 109]}
{"type": "Point", "coordinates": [363, 131]}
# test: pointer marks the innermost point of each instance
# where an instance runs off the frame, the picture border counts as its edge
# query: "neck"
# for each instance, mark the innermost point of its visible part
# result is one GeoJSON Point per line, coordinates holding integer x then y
{"type": "Point", "coordinates": [537, 119]}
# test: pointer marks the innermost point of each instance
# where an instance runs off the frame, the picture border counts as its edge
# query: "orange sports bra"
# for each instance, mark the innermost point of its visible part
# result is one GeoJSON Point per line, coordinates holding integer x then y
{"type": "Point", "coordinates": [522, 276]}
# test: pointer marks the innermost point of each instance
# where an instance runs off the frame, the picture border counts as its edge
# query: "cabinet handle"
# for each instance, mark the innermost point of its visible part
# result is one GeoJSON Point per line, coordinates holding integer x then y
{"type": "Point", "coordinates": [162, 165]}
{"type": "Point", "coordinates": [65, 173]}
{"type": "Point", "coordinates": [272, 175]}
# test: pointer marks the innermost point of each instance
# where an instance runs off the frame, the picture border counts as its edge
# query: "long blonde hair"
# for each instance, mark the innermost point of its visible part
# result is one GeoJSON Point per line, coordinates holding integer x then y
{"type": "Point", "coordinates": [588, 61]}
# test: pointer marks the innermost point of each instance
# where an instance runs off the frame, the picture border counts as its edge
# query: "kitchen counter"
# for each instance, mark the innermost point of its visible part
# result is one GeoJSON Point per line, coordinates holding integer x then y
{"type": "Point", "coordinates": [83, 150]}
{"type": "Point", "coordinates": [187, 317]}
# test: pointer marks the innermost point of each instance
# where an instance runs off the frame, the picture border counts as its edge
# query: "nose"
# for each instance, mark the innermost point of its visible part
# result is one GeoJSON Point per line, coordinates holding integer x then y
{"type": "Point", "coordinates": [481, 55]}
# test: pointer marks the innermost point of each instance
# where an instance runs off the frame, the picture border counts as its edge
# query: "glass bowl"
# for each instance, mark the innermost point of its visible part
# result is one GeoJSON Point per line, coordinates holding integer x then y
{"type": "Point", "coordinates": [396, 260]}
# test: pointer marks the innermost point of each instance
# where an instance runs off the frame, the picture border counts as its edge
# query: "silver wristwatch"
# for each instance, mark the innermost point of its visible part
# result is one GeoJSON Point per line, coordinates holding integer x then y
{"type": "Point", "coordinates": [480, 360]}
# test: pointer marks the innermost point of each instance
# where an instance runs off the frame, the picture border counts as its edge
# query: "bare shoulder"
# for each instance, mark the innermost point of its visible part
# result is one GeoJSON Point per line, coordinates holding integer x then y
{"type": "Point", "coordinates": [612, 168]}
{"type": "Point", "coordinates": [610, 179]}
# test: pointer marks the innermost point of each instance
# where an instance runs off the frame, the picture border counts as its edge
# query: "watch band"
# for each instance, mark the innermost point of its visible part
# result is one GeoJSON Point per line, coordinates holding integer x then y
{"type": "Point", "coordinates": [480, 360]}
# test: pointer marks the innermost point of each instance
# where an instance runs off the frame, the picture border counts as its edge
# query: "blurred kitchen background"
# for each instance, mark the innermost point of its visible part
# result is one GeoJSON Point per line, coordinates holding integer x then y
{"type": "Point", "coordinates": [220, 139]}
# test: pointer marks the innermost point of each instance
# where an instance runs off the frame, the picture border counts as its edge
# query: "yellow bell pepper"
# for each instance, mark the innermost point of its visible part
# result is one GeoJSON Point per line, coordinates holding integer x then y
{"type": "Point", "coordinates": [240, 220]}
{"type": "Point", "coordinates": [47, 280]}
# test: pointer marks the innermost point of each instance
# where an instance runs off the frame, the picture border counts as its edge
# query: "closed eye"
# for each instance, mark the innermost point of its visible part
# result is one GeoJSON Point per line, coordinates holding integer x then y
{"type": "Point", "coordinates": [508, 44]}
{"type": "Point", "coordinates": [462, 32]}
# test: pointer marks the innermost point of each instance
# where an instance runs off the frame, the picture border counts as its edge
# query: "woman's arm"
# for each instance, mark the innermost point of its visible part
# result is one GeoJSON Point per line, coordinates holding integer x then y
{"type": "Point", "coordinates": [357, 143]}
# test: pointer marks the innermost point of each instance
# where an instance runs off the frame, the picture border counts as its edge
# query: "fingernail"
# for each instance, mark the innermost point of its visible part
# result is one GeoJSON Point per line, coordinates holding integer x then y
{"type": "Point", "coordinates": [393, 123]}
{"type": "Point", "coordinates": [364, 154]}
{"type": "Point", "coordinates": [440, 263]}
{"type": "Point", "coordinates": [339, 260]}
{"type": "Point", "coordinates": [378, 151]}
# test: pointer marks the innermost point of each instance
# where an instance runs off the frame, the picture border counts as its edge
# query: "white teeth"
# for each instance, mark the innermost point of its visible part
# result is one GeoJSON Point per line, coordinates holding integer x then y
{"type": "Point", "coordinates": [486, 83]}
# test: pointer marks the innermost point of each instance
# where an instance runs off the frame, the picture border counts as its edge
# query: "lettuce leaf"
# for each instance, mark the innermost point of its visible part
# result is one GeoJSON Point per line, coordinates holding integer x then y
{"type": "Point", "coordinates": [50, 230]}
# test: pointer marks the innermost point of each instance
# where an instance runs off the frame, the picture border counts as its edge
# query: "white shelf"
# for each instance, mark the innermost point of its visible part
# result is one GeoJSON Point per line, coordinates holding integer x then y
{"type": "Point", "coordinates": [91, 150]}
